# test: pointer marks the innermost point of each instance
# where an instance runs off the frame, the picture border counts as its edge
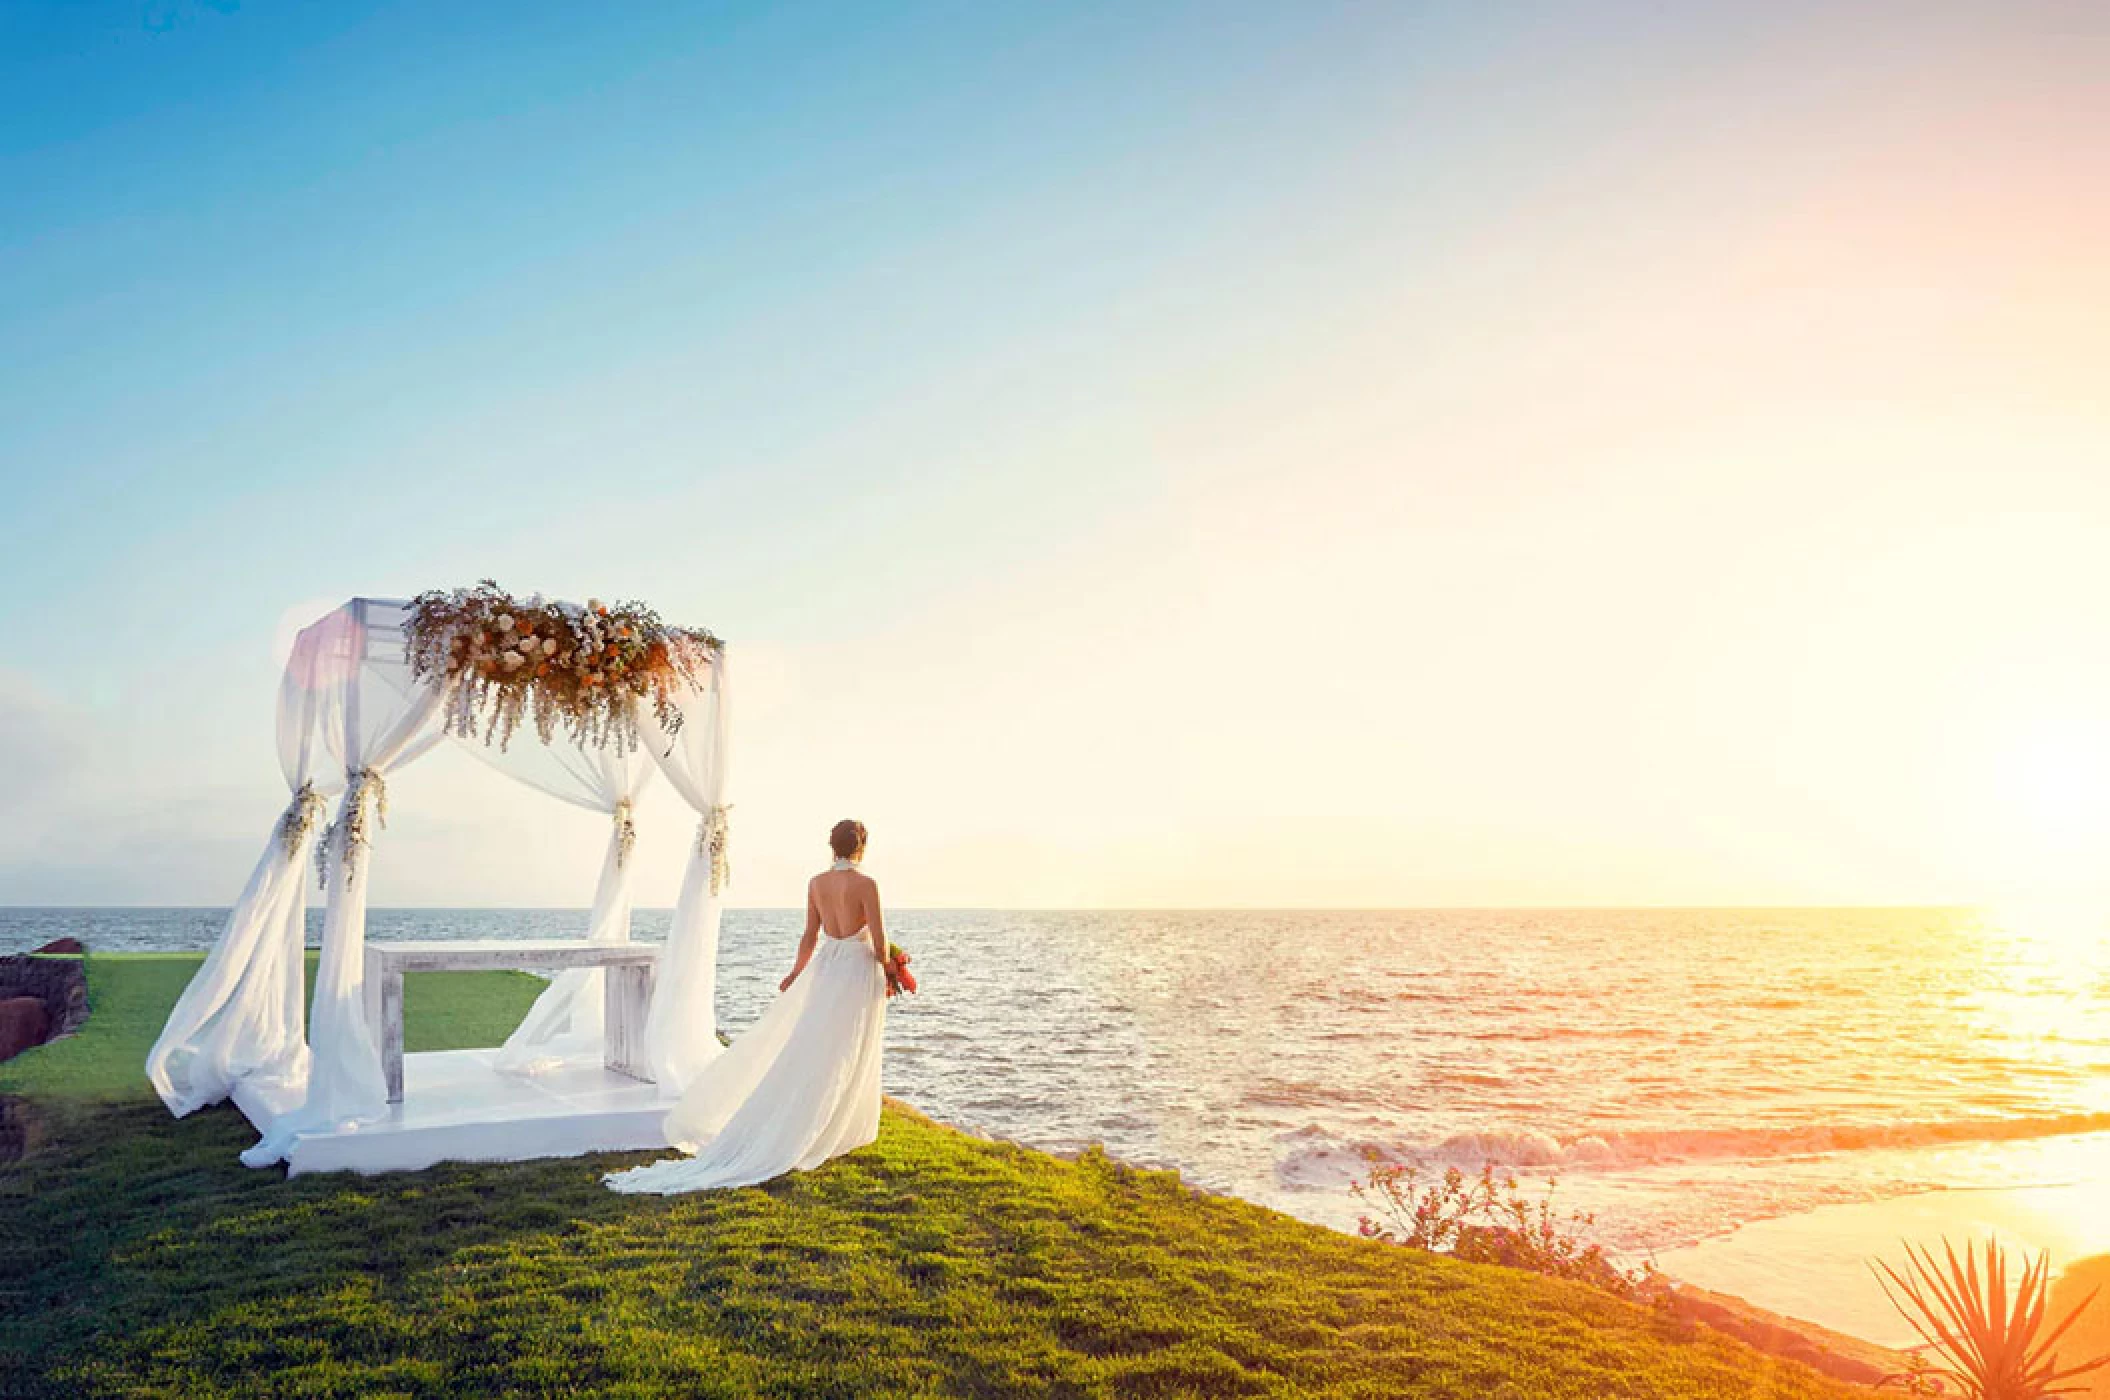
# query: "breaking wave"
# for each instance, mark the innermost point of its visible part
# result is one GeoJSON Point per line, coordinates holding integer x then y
{"type": "Point", "coordinates": [1315, 1157]}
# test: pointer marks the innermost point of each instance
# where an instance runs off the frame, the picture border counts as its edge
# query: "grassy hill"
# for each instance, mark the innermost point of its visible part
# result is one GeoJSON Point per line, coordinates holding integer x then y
{"type": "Point", "coordinates": [139, 1258]}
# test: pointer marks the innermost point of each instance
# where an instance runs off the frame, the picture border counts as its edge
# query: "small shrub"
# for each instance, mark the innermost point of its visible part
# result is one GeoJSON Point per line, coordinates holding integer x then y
{"type": "Point", "coordinates": [1488, 1219]}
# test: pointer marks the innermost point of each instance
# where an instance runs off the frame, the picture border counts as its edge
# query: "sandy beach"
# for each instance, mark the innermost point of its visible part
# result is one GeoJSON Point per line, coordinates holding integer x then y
{"type": "Point", "coordinates": [1814, 1266]}
{"type": "Point", "coordinates": [2091, 1335]}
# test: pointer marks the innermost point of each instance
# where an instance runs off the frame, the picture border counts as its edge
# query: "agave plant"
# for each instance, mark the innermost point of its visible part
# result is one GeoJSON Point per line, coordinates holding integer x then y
{"type": "Point", "coordinates": [1992, 1339]}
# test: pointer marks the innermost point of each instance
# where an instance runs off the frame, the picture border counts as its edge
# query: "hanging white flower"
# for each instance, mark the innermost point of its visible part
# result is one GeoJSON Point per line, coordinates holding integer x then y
{"type": "Point", "coordinates": [714, 835]}
{"type": "Point", "coordinates": [365, 810]}
{"type": "Point", "coordinates": [303, 813]}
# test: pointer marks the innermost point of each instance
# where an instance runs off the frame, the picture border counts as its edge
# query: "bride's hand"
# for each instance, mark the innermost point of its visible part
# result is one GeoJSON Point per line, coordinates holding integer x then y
{"type": "Point", "coordinates": [789, 978]}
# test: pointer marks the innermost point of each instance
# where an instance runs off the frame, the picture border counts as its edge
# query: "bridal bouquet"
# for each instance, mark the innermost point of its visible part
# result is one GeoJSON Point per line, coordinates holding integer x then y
{"type": "Point", "coordinates": [898, 978]}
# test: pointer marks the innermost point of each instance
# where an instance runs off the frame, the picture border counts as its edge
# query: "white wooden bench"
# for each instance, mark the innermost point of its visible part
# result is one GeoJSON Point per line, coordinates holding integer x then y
{"type": "Point", "coordinates": [626, 993]}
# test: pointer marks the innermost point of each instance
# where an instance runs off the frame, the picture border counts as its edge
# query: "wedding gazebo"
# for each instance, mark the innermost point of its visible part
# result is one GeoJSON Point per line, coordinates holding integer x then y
{"type": "Point", "coordinates": [586, 702]}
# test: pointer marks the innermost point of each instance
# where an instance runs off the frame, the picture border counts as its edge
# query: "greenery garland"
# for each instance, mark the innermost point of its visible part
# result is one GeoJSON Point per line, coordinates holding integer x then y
{"type": "Point", "coordinates": [585, 669]}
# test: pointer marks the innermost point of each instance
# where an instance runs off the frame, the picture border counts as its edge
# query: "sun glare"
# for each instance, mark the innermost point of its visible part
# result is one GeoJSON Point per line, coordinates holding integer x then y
{"type": "Point", "coordinates": [2050, 817]}
{"type": "Point", "coordinates": [2062, 783]}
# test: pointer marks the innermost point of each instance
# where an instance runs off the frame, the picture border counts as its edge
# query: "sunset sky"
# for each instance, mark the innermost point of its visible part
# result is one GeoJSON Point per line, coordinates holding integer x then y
{"type": "Point", "coordinates": [1272, 454]}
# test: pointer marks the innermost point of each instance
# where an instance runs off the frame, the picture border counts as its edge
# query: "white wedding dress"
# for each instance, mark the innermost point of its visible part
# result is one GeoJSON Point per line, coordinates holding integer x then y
{"type": "Point", "coordinates": [798, 1087]}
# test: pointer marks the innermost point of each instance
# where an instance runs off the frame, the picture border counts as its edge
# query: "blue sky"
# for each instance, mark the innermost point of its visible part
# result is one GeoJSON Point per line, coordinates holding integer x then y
{"type": "Point", "coordinates": [1005, 379]}
{"type": "Point", "coordinates": [356, 269]}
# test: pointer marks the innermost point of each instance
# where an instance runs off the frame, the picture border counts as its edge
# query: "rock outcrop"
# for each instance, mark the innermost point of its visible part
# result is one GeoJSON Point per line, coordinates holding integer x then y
{"type": "Point", "coordinates": [40, 999]}
{"type": "Point", "coordinates": [1819, 1348]}
{"type": "Point", "coordinates": [23, 1023]}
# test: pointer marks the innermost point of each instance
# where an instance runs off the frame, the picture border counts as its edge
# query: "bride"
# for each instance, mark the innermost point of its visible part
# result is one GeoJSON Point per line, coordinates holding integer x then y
{"type": "Point", "coordinates": [802, 1084]}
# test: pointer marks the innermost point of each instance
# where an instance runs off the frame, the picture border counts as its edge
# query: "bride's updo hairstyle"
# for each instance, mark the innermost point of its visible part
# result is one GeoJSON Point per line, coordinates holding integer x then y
{"type": "Point", "coordinates": [847, 840]}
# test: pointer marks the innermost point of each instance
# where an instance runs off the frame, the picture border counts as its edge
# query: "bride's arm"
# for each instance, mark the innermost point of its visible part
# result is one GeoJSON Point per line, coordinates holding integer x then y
{"type": "Point", "coordinates": [874, 923]}
{"type": "Point", "coordinates": [808, 941]}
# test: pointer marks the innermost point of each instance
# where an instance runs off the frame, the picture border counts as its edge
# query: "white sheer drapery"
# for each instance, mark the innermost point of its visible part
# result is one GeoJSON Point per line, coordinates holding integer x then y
{"type": "Point", "coordinates": [564, 1026]}
{"type": "Point", "coordinates": [681, 1033]}
{"type": "Point", "coordinates": [374, 722]}
{"type": "Point", "coordinates": [240, 1018]}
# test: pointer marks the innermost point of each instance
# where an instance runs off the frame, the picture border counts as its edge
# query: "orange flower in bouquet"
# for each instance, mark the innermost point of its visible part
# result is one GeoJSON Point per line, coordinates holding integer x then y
{"type": "Point", "coordinates": [898, 978]}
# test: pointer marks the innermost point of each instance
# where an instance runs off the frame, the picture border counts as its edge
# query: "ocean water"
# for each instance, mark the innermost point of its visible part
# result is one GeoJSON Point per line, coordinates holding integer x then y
{"type": "Point", "coordinates": [1680, 1072]}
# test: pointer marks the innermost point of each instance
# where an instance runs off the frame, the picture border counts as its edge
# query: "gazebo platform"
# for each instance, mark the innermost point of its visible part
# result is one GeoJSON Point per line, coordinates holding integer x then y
{"type": "Point", "coordinates": [459, 1107]}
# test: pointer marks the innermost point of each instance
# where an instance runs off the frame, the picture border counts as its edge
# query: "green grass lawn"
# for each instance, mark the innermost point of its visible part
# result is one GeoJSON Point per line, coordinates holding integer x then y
{"type": "Point", "coordinates": [134, 991]}
{"type": "Point", "coordinates": [138, 1258]}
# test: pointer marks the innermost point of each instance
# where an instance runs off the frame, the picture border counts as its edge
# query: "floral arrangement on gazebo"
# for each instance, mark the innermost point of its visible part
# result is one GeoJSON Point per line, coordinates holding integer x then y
{"type": "Point", "coordinates": [584, 667]}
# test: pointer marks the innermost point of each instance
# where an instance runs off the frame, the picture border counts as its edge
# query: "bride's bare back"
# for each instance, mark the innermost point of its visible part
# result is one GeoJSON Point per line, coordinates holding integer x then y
{"type": "Point", "coordinates": [845, 901]}
{"type": "Point", "coordinates": [842, 903]}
